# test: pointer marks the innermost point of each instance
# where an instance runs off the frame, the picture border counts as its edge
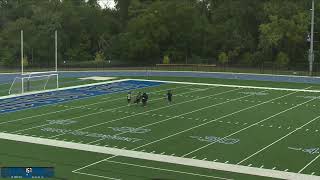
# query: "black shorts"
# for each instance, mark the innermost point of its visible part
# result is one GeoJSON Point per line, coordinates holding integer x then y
{"type": "Point", "coordinates": [169, 99]}
{"type": "Point", "coordinates": [129, 100]}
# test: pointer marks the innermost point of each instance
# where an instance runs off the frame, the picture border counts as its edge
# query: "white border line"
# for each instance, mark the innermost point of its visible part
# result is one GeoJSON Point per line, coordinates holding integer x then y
{"type": "Point", "coordinates": [233, 86]}
{"type": "Point", "coordinates": [168, 170]}
{"type": "Point", "coordinates": [160, 158]}
{"type": "Point", "coordinates": [172, 82]}
{"type": "Point", "coordinates": [65, 88]}
{"type": "Point", "coordinates": [302, 169]}
{"type": "Point", "coordinates": [94, 175]}
{"type": "Point", "coordinates": [200, 72]}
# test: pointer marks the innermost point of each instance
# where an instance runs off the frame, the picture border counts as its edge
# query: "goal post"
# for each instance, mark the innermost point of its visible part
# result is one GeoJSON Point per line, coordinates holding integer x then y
{"type": "Point", "coordinates": [36, 81]}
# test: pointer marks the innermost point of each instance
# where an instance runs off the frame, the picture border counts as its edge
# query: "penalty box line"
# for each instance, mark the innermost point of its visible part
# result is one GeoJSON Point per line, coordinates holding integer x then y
{"type": "Point", "coordinates": [158, 158]}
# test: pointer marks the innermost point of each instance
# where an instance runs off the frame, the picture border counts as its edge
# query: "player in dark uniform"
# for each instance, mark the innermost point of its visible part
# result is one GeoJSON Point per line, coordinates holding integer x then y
{"type": "Point", "coordinates": [169, 96]}
{"type": "Point", "coordinates": [138, 98]}
{"type": "Point", "coordinates": [129, 98]}
{"type": "Point", "coordinates": [144, 99]}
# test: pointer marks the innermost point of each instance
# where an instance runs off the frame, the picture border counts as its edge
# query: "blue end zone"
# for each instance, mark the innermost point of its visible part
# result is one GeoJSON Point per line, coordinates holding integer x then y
{"type": "Point", "coordinates": [48, 98]}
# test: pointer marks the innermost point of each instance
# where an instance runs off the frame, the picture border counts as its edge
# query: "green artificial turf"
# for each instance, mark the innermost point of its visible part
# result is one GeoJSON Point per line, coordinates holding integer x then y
{"type": "Point", "coordinates": [268, 129]}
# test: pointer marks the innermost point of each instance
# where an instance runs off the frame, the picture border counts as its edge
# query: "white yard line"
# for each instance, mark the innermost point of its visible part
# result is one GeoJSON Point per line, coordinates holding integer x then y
{"type": "Point", "coordinates": [100, 112]}
{"type": "Point", "coordinates": [172, 135]}
{"type": "Point", "coordinates": [234, 86]}
{"type": "Point", "coordinates": [99, 124]}
{"type": "Point", "coordinates": [280, 139]}
{"type": "Point", "coordinates": [309, 164]}
{"type": "Point", "coordinates": [249, 127]}
{"type": "Point", "coordinates": [59, 111]}
{"type": "Point", "coordinates": [183, 114]}
{"type": "Point", "coordinates": [159, 158]}
{"type": "Point", "coordinates": [168, 170]}
{"type": "Point", "coordinates": [79, 107]}
{"type": "Point", "coordinates": [222, 117]}
{"type": "Point", "coordinates": [94, 175]}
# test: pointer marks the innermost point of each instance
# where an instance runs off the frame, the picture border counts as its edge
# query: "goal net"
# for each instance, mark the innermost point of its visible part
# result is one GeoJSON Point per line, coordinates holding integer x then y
{"type": "Point", "coordinates": [34, 82]}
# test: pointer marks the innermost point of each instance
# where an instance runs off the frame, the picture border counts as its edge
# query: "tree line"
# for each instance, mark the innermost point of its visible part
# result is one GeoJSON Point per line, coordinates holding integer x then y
{"type": "Point", "coordinates": [157, 31]}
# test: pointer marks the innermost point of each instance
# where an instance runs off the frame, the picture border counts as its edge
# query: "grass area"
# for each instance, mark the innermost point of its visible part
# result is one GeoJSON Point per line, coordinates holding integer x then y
{"type": "Point", "coordinates": [65, 161]}
{"type": "Point", "coordinates": [267, 129]}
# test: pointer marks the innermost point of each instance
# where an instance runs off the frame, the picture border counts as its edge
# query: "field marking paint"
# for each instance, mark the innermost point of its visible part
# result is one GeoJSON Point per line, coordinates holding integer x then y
{"type": "Point", "coordinates": [64, 82]}
{"type": "Point", "coordinates": [234, 86]}
{"type": "Point", "coordinates": [204, 124]}
{"type": "Point", "coordinates": [99, 124]}
{"type": "Point", "coordinates": [78, 107]}
{"type": "Point", "coordinates": [168, 170]}
{"type": "Point", "coordinates": [309, 164]}
{"type": "Point", "coordinates": [196, 72]}
{"type": "Point", "coordinates": [280, 139]}
{"type": "Point", "coordinates": [103, 111]}
{"type": "Point", "coordinates": [249, 127]}
{"type": "Point", "coordinates": [201, 125]}
{"type": "Point", "coordinates": [183, 114]}
{"type": "Point", "coordinates": [61, 89]}
{"type": "Point", "coordinates": [157, 157]}
{"type": "Point", "coordinates": [94, 175]}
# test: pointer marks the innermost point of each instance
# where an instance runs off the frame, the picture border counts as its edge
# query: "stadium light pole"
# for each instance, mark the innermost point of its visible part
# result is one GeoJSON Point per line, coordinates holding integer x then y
{"type": "Point", "coordinates": [311, 51]}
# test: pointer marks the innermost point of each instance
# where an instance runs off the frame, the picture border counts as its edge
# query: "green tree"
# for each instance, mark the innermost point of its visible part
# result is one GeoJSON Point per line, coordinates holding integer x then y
{"type": "Point", "coordinates": [223, 58]}
{"type": "Point", "coordinates": [282, 59]}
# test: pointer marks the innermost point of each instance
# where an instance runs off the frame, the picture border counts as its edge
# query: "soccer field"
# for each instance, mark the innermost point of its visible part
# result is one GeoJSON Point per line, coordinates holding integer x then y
{"type": "Point", "coordinates": [211, 130]}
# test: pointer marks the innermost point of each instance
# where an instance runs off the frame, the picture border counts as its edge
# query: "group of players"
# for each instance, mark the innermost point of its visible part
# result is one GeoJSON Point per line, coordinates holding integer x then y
{"type": "Point", "coordinates": [143, 97]}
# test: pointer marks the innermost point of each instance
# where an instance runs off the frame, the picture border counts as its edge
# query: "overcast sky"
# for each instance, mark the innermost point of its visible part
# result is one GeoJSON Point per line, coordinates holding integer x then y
{"type": "Point", "coordinates": [107, 3]}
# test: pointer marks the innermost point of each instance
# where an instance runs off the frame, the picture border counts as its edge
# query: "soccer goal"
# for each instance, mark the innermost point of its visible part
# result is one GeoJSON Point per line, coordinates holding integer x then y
{"type": "Point", "coordinates": [35, 81]}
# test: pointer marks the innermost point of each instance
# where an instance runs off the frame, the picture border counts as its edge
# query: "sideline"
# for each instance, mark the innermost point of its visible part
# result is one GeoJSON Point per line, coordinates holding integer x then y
{"type": "Point", "coordinates": [160, 158]}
